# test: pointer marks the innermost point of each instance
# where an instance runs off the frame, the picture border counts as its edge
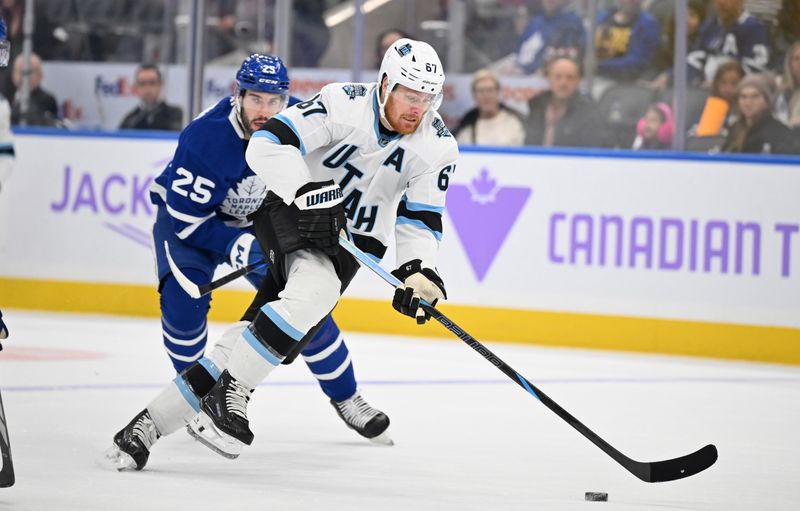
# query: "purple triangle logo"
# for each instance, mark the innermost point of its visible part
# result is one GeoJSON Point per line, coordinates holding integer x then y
{"type": "Point", "coordinates": [483, 214]}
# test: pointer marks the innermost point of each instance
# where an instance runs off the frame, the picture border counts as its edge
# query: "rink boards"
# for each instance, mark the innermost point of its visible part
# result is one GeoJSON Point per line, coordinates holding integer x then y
{"type": "Point", "coordinates": [640, 252]}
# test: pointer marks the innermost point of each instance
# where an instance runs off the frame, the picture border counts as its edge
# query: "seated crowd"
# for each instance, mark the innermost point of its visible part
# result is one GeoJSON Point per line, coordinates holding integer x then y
{"type": "Point", "coordinates": [742, 68]}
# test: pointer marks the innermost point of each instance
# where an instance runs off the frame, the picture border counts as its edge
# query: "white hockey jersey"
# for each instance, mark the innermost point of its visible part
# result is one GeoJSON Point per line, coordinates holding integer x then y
{"type": "Point", "coordinates": [389, 182]}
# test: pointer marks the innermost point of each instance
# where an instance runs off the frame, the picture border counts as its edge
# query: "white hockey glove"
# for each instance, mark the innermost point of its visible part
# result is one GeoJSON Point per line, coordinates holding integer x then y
{"type": "Point", "coordinates": [418, 283]}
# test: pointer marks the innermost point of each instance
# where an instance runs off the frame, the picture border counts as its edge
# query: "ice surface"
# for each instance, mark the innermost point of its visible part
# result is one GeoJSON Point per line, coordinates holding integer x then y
{"type": "Point", "coordinates": [465, 436]}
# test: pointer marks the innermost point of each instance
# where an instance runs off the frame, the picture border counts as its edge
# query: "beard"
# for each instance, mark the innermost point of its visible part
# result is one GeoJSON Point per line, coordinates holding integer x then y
{"type": "Point", "coordinates": [405, 124]}
{"type": "Point", "coordinates": [251, 126]}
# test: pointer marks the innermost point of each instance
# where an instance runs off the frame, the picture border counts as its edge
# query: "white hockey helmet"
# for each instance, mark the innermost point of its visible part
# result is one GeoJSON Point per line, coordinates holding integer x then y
{"type": "Point", "coordinates": [413, 64]}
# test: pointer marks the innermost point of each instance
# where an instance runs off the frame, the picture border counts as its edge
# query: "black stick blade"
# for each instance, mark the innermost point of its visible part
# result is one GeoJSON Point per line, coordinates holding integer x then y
{"type": "Point", "coordinates": [678, 468]}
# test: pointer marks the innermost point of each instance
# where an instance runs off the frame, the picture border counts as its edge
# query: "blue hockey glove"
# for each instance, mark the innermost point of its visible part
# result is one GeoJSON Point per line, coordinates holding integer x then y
{"type": "Point", "coordinates": [418, 283]}
{"type": "Point", "coordinates": [245, 250]}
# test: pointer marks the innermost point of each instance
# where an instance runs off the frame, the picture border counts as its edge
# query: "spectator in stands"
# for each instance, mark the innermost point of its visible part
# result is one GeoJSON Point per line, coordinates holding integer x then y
{"type": "Point", "coordinates": [384, 41]}
{"type": "Point", "coordinates": [757, 131]}
{"type": "Point", "coordinates": [562, 116]}
{"type": "Point", "coordinates": [655, 129]}
{"type": "Point", "coordinates": [152, 113]}
{"type": "Point", "coordinates": [787, 106]}
{"type": "Point", "coordinates": [220, 34]}
{"type": "Point", "coordinates": [665, 56]}
{"type": "Point", "coordinates": [733, 34]}
{"type": "Point", "coordinates": [490, 122]}
{"type": "Point", "coordinates": [787, 31]}
{"type": "Point", "coordinates": [45, 42]}
{"type": "Point", "coordinates": [310, 34]}
{"type": "Point", "coordinates": [557, 31]}
{"type": "Point", "coordinates": [42, 106]}
{"type": "Point", "coordinates": [721, 108]}
{"type": "Point", "coordinates": [7, 155]}
{"type": "Point", "coordinates": [627, 39]}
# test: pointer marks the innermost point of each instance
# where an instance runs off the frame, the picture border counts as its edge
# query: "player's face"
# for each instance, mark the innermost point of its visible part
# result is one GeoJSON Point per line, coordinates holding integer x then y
{"type": "Point", "coordinates": [259, 107]}
{"type": "Point", "coordinates": [752, 104]}
{"type": "Point", "coordinates": [405, 108]}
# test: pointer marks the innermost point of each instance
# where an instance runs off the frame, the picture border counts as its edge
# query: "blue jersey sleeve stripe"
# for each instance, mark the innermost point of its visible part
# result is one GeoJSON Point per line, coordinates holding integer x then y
{"type": "Point", "coordinates": [266, 134]}
{"type": "Point", "coordinates": [431, 219]}
{"type": "Point", "coordinates": [420, 206]}
{"type": "Point", "coordinates": [289, 123]}
{"type": "Point", "coordinates": [419, 225]}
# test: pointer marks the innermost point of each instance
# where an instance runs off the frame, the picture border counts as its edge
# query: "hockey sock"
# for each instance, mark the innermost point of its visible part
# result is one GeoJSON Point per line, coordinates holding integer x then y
{"type": "Point", "coordinates": [263, 345]}
{"type": "Point", "coordinates": [195, 382]}
{"type": "Point", "coordinates": [328, 359]}
{"type": "Point", "coordinates": [183, 321]}
{"type": "Point", "coordinates": [170, 410]}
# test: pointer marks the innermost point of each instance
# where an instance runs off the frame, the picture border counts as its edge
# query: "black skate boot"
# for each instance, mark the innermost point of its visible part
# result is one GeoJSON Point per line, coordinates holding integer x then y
{"type": "Point", "coordinates": [132, 444]}
{"type": "Point", "coordinates": [364, 419]}
{"type": "Point", "coordinates": [226, 407]}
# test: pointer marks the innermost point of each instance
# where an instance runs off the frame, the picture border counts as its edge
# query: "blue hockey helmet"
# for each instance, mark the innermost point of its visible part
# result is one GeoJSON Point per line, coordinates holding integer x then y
{"type": "Point", "coordinates": [263, 73]}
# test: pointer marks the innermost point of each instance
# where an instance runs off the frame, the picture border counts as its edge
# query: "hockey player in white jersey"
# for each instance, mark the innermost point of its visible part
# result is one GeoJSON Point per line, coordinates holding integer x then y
{"type": "Point", "coordinates": [205, 228]}
{"type": "Point", "coordinates": [368, 158]}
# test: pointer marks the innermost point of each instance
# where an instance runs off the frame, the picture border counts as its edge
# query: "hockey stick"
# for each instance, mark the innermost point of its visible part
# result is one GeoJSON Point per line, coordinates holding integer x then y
{"type": "Point", "coordinates": [7, 470]}
{"type": "Point", "coordinates": [196, 291]}
{"type": "Point", "coordinates": [650, 472]}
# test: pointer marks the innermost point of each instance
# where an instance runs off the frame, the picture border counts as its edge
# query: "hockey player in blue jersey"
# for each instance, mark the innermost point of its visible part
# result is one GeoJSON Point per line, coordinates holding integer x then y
{"type": "Point", "coordinates": [733, 34]}
{"type": "Point", "coordinates": [204, 198]}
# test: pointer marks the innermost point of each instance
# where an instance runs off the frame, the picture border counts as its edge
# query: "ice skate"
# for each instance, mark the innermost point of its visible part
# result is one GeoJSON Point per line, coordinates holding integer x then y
{"type": "Point", "coordinates": [364, 419]}
{"type": "Point", "coordinates": [132, 444]}
{"type": "Point", "coordinates": [224, 410]}
{"type": "Point", "coordinates": [202, 429]}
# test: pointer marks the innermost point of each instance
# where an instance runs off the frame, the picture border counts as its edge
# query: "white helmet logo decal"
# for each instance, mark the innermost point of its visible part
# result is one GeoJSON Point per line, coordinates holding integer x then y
{"type": "Point", "coordinates": [404, 50]}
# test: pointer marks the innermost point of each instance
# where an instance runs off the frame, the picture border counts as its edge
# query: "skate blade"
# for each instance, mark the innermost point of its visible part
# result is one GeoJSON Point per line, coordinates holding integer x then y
{"type": "Point", "coordinates": [382, 439]}
{"type": "Point", "coordinates": [202, 429]}
{"type": "Point", "coordinates": [114, 459]}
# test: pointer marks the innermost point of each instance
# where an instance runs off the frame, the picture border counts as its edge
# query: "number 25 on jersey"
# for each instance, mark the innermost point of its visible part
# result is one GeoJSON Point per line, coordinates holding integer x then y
{"type": "Point", "coordinates": [200, 186]}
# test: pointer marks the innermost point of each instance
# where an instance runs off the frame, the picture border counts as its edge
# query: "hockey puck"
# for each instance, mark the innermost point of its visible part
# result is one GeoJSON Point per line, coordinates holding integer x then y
{"type": "Point", "coordinates": [596, 496]}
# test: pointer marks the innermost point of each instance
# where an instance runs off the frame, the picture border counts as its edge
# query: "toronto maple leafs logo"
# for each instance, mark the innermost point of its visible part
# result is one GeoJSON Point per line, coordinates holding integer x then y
{"type": "Point", "coordinates": [244, 198]}
{"type": "Point", "coordinates": [354, 90]}
{"type": "Point", "coordinates": [441, 129]}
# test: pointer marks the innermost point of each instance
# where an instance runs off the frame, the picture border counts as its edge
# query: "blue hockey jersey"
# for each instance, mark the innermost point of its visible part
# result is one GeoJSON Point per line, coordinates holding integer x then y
{"type": "Point", "coordinates": [561, 34]}
{"type": "Point", "coordinates": [208, 189]}
{"type": "Point", "coordinates": [747, 41]}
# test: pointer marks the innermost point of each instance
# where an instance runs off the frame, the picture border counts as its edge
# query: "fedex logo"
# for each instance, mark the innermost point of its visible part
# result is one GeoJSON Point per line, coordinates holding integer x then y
{"type": "Point", "coordinates": [118, 87]}
{"type": "Point", "coordinates": [216, 89]}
